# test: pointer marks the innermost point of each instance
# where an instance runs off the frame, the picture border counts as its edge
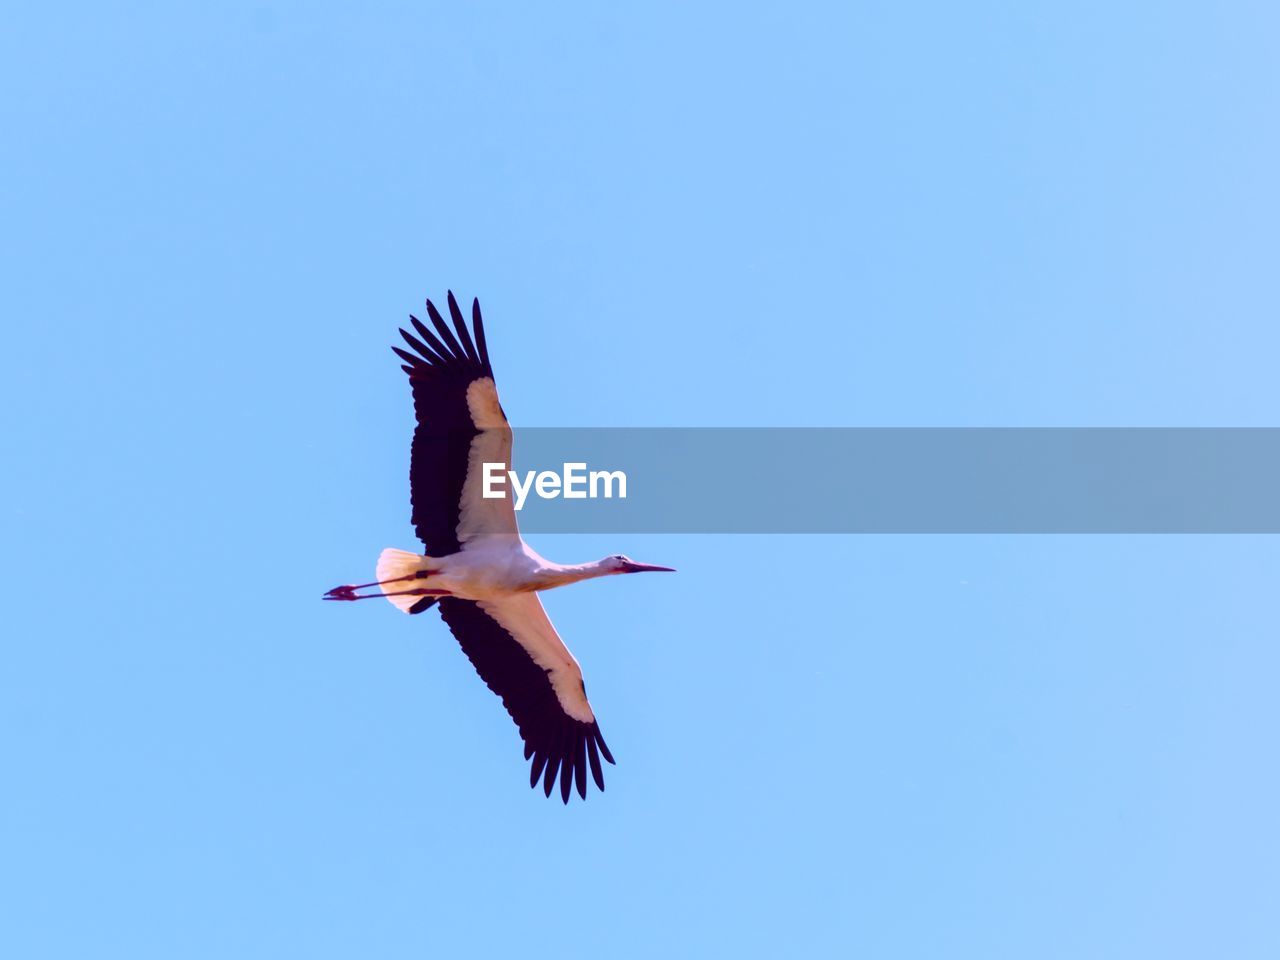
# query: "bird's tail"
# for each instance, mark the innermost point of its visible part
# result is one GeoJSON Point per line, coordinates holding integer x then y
{"type": "Point", "coordinates": [394, 564]}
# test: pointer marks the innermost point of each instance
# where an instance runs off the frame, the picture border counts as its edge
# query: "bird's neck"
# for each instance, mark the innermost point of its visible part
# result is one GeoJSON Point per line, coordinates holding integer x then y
{"type": "Point", "coordinates": [558, 574]}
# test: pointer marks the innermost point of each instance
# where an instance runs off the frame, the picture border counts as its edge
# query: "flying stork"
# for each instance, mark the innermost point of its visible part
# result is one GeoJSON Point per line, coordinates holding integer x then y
{"type": "Point", "coordinates": [478, 571]}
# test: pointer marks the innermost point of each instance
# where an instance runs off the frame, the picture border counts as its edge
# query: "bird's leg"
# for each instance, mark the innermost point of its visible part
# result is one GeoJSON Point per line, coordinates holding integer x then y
{"type": "Point", "coordinates": [348, 590]}
{"type": "Point", "coordinates": [349, 593]}
{"type": "Point", "coordinates": [419, 575]}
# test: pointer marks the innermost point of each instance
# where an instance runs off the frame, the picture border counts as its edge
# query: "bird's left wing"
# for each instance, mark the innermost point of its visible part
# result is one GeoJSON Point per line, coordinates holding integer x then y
{"type": "Point", "coordinates": [518, 653]}
{"type": "Point", "coordinates": [461, 426]}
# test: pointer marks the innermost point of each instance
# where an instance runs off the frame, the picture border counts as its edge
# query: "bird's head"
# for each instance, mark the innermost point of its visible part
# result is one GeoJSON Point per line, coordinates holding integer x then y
{"type": "Point", "coordinates": [620, 563]}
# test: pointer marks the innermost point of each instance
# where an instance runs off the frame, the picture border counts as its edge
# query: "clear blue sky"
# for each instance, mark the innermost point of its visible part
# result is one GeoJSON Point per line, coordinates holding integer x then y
{"type": "Point", "coordinates": [214, 217]}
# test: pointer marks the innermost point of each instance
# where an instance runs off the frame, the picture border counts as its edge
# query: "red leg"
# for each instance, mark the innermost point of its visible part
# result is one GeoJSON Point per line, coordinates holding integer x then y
{"type": "Point", "coordinates": [343, 592]}
{"type": "Point", "coordinates": [349, 593]}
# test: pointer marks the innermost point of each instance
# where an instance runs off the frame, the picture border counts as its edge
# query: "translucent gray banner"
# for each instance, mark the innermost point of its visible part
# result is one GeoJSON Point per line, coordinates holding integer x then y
{"type": "Point", "coordinates": [819, 480]}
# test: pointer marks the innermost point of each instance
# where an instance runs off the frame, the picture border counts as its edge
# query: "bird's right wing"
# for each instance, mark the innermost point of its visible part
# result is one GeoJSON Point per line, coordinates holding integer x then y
{"type": "Point", "coordinates": [461, 426]}
{"type": "Point", "coordinates": [518, 653]}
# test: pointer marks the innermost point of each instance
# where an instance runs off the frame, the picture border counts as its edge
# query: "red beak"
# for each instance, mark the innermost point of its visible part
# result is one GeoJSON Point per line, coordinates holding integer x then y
{"type": "Point", "coordinates": [632, 567]}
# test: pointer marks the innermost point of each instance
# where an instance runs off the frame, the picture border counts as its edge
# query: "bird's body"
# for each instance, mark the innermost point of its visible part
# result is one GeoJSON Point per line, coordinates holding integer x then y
{"type": "Point", "coordinates": [495, 567]}
{"type": "Point", "coordinates": [477, 569]}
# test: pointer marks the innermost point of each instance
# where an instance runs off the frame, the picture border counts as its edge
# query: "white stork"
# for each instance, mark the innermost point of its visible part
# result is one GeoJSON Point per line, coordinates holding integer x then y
{"type": "Point", "coordinates": [477, 569]}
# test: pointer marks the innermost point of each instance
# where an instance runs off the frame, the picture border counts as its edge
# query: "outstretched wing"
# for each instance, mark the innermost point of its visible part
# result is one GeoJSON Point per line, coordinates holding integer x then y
{"type": "Point", "coordinates": [518, 653]}
{"type": "Point", "coordinates": [461, 425]}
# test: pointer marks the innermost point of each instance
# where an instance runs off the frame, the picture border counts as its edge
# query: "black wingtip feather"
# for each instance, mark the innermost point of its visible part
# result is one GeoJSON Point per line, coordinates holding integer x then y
{"type": "Point", "coordinates": [580, 766]}
{"type": "Point", "coordinates": [594, 756]}
{"type": "Point", "coordinates": [437, 348]}
{"type": "Point", "coordinates": [549, 778]}
{"type": "Point", "coordinates": [442, 328]}
{"type": "Point", "coordinates": [406, 356]}
{"type": "Point", "coordinates": [427, 354]}
{"type": "Point", "coordinates": [566, 764]}
{"type": "Point", "coordinates": [539, 761]}
{"type": "Point", "coordinates": [604, 748]}
{"type": "Point", "coordinates": [477, 322]}
{"type": "Point", "coordinates": [460, 325]}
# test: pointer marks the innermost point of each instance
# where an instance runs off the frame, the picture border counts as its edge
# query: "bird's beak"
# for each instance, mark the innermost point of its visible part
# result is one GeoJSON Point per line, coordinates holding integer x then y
{"type": "Point", "coordinates": [643, 567]}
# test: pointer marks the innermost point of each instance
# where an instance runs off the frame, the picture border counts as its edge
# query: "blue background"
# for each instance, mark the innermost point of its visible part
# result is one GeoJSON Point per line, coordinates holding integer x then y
{"type": "Point", "coordinates": [214, 217]}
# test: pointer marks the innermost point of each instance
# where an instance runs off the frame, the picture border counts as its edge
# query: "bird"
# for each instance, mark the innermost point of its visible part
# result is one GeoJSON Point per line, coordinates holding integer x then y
{"type": "Point", "coordinates": [477, 570]}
